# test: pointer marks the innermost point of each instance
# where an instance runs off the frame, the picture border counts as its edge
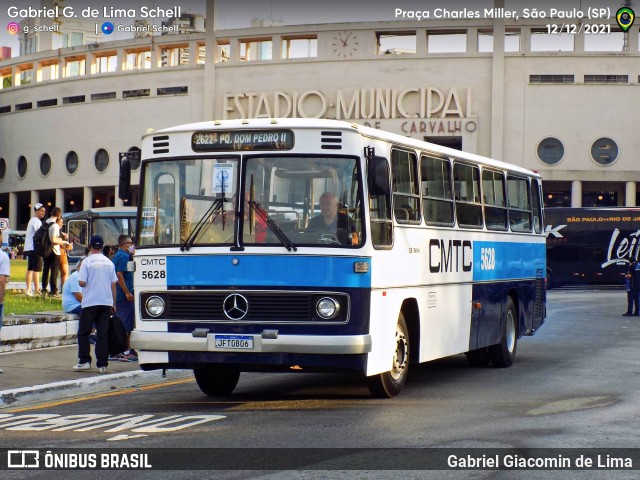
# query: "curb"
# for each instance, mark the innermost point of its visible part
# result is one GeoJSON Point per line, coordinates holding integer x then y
{"type": "Point", "coordinates": [70, 388]}
{"type": "Point", "coordinates": [38, 330]}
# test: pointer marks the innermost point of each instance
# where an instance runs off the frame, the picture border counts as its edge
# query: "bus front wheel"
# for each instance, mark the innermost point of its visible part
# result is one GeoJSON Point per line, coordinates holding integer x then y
{"type": "Point", "coordinates": [503, 353]}
{"type": "Point", "coordinates": [217, 380]}
{"type": "Point", "coordinates": [389, 384]}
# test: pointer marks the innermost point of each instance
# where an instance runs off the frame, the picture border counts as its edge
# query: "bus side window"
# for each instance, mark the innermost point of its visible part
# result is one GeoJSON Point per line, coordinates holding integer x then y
{"type": "Point", "coordinates": [467, 188]}
{"type": "Point", "coordinates": [406, 198]}
{"type": "Point", "coordinates": [78, 231]}
{"type": "Point", "coordinates": [537, 205]}
{"type": "Point", "coordinates": [519, 204]}
{"type": "Point", "coordinates": [381, 226]}
{"type": "Point", "coordinates": [437, 195]}
{"type": "Point", "coordinates": [495, 207]}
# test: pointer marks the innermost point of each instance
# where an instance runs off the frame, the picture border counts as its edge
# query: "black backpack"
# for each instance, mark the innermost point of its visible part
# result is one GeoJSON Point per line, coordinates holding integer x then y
{"type": "Point", "coordinates": [118, 338]}
{"type": "Point", "coordinates": [41, 241]}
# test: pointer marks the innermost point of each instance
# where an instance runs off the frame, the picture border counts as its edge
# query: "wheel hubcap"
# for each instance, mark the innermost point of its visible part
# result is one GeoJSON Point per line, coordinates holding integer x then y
{"type": "Point", "coordinates": [401, 355]}
{"type": "Point", "coordinates": [511, 331]}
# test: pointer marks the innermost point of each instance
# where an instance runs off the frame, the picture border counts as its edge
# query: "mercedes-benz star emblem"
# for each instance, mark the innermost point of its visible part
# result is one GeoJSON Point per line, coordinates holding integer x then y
{"type": "Point", "coordinates": [235, 306]}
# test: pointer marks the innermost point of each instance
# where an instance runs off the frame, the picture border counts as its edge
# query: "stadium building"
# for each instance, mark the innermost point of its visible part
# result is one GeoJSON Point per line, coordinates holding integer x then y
{"type": "Point", "coordinates": [558, 103]}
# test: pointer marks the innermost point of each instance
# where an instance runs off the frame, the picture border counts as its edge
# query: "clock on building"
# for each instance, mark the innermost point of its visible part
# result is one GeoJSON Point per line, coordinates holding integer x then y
{"type": "Point", "coordinates": [345, 44]}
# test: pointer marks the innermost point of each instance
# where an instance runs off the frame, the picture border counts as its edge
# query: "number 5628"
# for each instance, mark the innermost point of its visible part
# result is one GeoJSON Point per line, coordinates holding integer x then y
{"type": "Point", "coordinates": [151, 274]}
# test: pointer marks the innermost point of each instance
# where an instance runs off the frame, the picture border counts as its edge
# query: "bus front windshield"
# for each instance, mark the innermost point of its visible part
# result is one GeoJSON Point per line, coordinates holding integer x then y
{"type": "Point", "coordinates": [287, 200]}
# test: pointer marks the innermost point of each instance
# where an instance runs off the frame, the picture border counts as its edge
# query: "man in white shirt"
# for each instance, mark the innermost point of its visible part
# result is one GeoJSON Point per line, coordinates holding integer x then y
{"type": "Point", "coordinates": [97, 276]}
{"type": "Point", "coordinates": [34, 262]}
{"type": "Point", "coordinates": [5, 272]}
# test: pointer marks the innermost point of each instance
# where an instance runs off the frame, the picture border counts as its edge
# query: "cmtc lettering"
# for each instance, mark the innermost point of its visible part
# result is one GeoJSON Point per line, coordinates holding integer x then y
{"type": "Point", "coordinates": [152, 261]}
{"type": "Point", "coordinates": [450, 256]}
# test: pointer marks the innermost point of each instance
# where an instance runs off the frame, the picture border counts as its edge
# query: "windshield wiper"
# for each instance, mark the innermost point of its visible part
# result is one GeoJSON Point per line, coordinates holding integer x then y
{"type": "Point", "coordinates": [262, 213]}
{"type": "Point", "coordinates": [215, 208]}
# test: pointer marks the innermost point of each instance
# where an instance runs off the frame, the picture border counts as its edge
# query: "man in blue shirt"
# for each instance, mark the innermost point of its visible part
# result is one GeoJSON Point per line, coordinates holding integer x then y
{"type": "Point", "coordinates": [633, 274]}
{"type": "Point", "coordinates": [72, 292]}
{"type": "Point", "coordinates": [124, 292]}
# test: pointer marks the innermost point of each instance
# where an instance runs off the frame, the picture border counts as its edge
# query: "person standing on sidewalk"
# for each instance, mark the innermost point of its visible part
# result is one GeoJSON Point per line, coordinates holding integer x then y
{"type": "Point", "coordinates": [64, 258]}
{"type": "Point", "coordinates": [34, 261]}
{"type": "Point", "coordinates": [72, 292]}
{"type": "Point", "coordinates": [5, 272]}
{"type": "Point", "coordinates": [633, 298]}
{"type": "Point", "coordinates": [124, 293]}
{"type": "Point", "coordinates": [52, 261]}
{"type": "Point", "coordinates": [98, 278]}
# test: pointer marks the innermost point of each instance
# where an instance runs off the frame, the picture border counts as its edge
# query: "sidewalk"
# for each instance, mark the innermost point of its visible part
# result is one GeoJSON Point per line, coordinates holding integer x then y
{"type": "Point", "coordinates": [46, 374]}
{"type": "Point", "coordinates": [35, 374]}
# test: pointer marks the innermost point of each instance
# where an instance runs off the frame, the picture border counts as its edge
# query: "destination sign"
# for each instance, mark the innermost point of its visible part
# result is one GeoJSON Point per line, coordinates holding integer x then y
{"type": "Point", "coordinates": [238, 140]}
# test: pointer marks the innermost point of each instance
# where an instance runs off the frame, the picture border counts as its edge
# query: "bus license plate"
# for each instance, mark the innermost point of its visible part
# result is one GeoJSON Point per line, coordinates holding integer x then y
{"type": "Point", "coordinates": [234, 342]}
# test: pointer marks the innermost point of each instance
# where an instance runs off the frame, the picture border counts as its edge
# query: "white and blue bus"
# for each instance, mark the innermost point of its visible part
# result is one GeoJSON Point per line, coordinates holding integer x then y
{"type": "Point", "coordinates": [350, 249]}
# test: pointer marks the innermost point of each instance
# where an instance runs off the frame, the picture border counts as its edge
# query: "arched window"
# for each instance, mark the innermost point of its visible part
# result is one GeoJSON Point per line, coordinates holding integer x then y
{"type": "Point", "coordinates": [22, 166]}
{"type": "Point", "coordinates": [102, 160]}
{"type": "Point", "coordinates": [45, 164]}
{"type": "Point", "coordinates": [134, 158]}
{"type": "Point", "coordinates": [72, 162]}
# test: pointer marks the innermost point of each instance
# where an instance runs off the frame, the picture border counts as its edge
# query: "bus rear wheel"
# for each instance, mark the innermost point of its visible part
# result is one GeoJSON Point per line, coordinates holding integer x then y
{"type": "Point", "coordinates": [503, 354]}
{"type": "Point", "coordinates": [389, 384]}
{"type": "Point", "coordinates": [217, 380]}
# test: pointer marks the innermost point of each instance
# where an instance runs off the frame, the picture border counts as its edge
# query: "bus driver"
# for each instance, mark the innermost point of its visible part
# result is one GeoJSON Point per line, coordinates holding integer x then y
{"type": "Point", "coordinates": [331, 223]}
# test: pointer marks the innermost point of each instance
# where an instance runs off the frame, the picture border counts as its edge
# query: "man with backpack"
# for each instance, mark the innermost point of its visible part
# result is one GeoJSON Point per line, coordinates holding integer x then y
{"type": "Point", "coordinates": [49, 245]}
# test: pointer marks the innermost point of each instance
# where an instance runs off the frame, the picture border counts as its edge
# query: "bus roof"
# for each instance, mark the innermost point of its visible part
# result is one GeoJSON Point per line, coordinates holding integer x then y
{"type": "Point", "coordinates": [104, 212]}
{"type": "Point", "coordinates": [343, 125]}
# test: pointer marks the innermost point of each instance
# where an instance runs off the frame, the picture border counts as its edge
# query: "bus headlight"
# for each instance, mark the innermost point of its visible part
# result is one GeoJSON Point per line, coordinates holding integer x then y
{"type": "Point", "coordinates": [327, 308]}
{"type": "Point", "coordinates": [154, 306]}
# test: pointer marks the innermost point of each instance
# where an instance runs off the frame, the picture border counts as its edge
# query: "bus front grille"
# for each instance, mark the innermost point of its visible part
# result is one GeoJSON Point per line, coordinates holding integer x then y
{"type": "Point", "coordinates": [261, 306]}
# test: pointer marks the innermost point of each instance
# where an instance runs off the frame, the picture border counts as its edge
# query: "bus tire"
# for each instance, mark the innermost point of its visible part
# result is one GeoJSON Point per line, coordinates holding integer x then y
{"type": "Point", "coordinates": [478, 358]}
{"type": "Point", "coordinates": [503, 353]}
{"type": "Point", "coordinates": [217, 380]}
{"type": "Point", "coordinates": [549, 282]}
{"type": "Point", "coordinates": [389, 384]}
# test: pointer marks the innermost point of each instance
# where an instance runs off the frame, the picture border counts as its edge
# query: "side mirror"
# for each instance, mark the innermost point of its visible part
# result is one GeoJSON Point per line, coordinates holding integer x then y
{"type": "Point", "coordinates": [124, 181]}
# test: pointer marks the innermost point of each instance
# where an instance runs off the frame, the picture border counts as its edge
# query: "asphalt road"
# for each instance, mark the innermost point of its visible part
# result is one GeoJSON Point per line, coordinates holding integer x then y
{"type": "Point", "coordinates": [575, 384]}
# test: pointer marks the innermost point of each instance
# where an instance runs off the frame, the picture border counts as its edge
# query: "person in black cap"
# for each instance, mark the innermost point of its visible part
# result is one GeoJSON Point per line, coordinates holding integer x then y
{"type": "Point", "coordinates": [97, 276]}
{"type": "Point", "coordinates": [34, 262]}
{"type": "Point", "coordinates": [633, 297]}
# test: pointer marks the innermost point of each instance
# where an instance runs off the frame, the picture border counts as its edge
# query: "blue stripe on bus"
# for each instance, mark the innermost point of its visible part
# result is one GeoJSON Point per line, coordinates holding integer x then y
{"type": "Point", "coordinates": [507, 260]}
{"type": "Point", "coordinates": [267, 271]}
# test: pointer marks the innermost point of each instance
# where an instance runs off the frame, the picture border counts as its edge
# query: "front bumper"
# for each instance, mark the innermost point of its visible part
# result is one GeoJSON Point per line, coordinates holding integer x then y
{"type": "Point", "coordinates": [300, 344]}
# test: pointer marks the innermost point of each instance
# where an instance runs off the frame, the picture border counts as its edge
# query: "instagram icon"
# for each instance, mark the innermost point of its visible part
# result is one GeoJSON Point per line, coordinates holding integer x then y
{"type": "Point", "coordinates": [13, 28]}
